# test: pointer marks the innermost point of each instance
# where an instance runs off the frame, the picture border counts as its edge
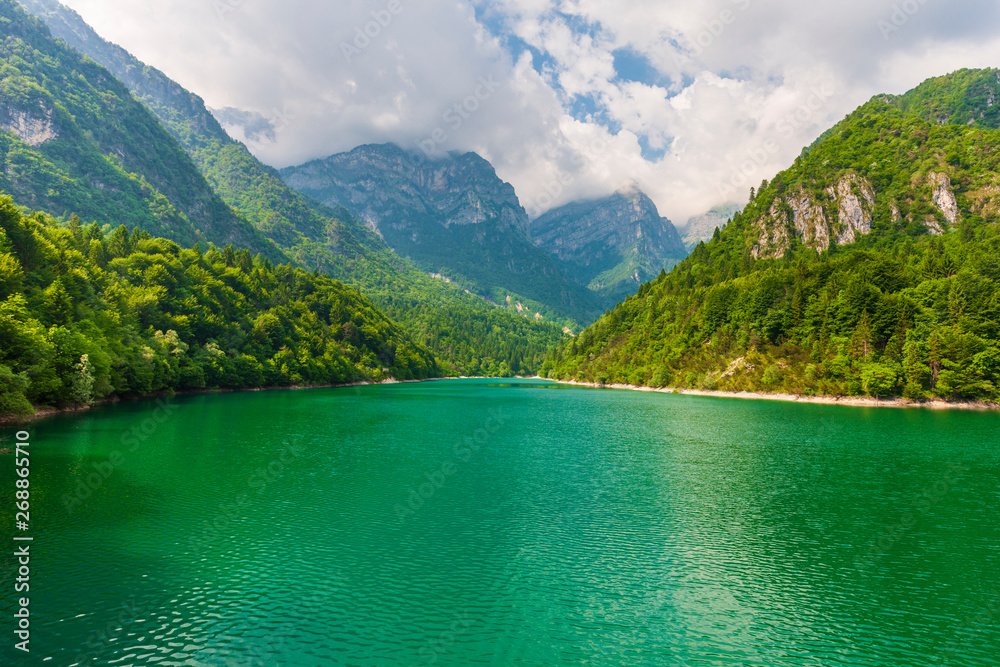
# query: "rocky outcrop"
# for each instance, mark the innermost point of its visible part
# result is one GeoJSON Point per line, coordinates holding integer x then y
{"type": "Point", "coordinates": [845, 218]}
{"type": "Point", "coordinates": [34, 127]}
{"type": "Point", "coordinates": [771, 232]}
{"type": "Point", "coordinates": [943, 199]}
{"type": "Point", "coordinates": [855, 203]}
{"type": "Point", "coordinates": [810, 222]}
{"type": "Point", "coordinates": [610, 245]}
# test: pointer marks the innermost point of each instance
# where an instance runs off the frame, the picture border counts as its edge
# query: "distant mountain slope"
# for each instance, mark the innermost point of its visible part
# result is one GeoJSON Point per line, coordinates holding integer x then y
{"type": "Point", "coordinates": [451, 216]}
{"type": "Point", "coordinates": [701, 228]}
{"type": "Point", "coordinates": [74, 141]}
{"type": "Point", "coordinates": [466, 331]}
{"type": "Point", "coordinates": [870, 266]}
{"type": "Point", "coordinates": [611, 245]}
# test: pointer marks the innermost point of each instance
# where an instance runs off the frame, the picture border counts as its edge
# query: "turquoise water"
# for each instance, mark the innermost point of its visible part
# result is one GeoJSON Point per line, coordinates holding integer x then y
{"type": "Point", "coordinates": [478, 522]}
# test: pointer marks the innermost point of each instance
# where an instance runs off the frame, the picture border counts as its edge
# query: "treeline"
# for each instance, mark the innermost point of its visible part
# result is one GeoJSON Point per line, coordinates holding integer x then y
{"type": "Point", "coordinates": [920, 320]}
{"type": "Point", "coordinates": [86, 314]}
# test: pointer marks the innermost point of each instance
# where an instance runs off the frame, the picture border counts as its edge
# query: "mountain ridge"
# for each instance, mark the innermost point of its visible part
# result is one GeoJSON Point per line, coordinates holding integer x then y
{"type": "Point", "coordinates": [610, 245]}
{"type": "Point", "coordinates": [452, 216]}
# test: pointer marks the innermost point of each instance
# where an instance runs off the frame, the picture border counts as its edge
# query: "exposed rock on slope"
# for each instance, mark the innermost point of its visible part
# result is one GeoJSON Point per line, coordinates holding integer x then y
{"type": "Point", "coordinates": [944, 199]}
{"type": "Point", "coordinates": [845, 216]}
{"type": "Point", "coordinates": [32, 127]}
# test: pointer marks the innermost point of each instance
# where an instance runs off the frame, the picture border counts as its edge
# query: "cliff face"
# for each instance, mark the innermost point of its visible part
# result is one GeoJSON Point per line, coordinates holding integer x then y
{"type": "Point", "coordinates": [611, 245]}
{"type": "Point", "coordinates": [450, 216]}
{"type": "Point", "coordinates": [844, 213]}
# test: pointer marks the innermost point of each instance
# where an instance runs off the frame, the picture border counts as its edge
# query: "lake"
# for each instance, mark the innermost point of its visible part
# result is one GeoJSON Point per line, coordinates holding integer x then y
{"type": "Point", "coordinates": [510, 522]}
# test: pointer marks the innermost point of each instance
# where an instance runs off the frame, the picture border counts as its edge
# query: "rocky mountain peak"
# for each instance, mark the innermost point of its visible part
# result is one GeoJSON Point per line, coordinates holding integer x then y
{"type": "Point", "coordinates": [612, 244]}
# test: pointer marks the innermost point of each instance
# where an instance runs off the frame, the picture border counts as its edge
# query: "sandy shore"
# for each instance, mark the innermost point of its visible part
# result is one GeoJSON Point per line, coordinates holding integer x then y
{"type": "Point", "coordinates": [854, 401]}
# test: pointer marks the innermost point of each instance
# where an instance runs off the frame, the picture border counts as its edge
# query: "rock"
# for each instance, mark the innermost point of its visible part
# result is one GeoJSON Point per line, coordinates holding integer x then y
{"type": "Point", "coordinates": [34, 127]}
{"type": "Point", "coordinates": [702, 227]}
{"type": "Point", "coordinates": [810, 222]}
{"type": "Point", "coordinates": [799, 214]}
{"type": "Point", "coordinates": [943, 198]}
{"type": "Point", "coordinates": [772, 231]}
{"type": "Point", "coordinates": [854, 211]}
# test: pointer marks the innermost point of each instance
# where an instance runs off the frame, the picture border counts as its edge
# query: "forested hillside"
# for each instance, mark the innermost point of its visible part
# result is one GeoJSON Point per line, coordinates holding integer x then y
{"type": "Point", "coordinates": [868, 267]}
{"type": "Point", "coordinates": [74, 141]}
{"type": "Point", "coordinates": [472, 335]}
{"type": "Point", "coordinates": [85, 315]}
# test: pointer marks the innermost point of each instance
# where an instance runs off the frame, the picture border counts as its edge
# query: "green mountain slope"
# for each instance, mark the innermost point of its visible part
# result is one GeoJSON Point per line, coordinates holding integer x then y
{"type": "Point", "coordinates": [74, 141]}
{"type": "Point", "coordinates": [469, 333]}
{"type": "Point", "coordinates": [966, 97]}
{"type": "Point", "coordinates": [870, 266]}
{"type": "Point", "coordinates": [84, 316]}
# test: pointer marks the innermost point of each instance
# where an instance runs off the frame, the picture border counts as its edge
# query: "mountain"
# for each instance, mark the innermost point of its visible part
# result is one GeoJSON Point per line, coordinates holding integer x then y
{"type": "Point", "coordinates": [967, 97]}
{"type": "Point", "coordinates": [611, 245]}
{"type": "Point", "coordinates": [451, 216]}
{"type": "Point", "coordinates": [74, 141]}
{"type": "Point", "coordinates": [870, 266]}
{"type": "Point", "coordinates": [702, 227]}
{"type": "Point", "coordinates": [84, 316]}
{"type": "Point", "coordinates": [471, 335]}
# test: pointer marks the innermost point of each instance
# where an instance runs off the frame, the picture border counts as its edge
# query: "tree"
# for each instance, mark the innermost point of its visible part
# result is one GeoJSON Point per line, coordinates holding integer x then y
{"type": "Point", "coordinates": [861, 341]}
{"type": "Point", "coordinates": [82, 391]}
{"type": "Point", "coordinates": [878, 379]}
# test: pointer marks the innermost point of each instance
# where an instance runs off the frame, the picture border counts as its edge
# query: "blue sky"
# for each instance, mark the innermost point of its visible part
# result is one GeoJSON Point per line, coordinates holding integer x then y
{"type": "Point", "coordinates": [695, 102]}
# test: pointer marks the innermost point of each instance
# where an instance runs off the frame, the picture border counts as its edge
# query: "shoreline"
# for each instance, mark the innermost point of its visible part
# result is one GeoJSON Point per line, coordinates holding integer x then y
{"type": "Point", "coordinates": [43, 412]}
{"type": "Point", "coordinates": [848, 401]}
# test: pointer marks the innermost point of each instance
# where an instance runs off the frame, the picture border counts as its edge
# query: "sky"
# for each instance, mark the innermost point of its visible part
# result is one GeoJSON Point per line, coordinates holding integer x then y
{"type": "Point", "coordinates": [695, 102]}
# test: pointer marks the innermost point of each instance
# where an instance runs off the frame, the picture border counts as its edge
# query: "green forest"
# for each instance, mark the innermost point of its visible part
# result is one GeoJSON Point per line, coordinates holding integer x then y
{"type": "Point", "coordinates": [901, 312]}
{"type": "Point", "coordinates": [88, 313]}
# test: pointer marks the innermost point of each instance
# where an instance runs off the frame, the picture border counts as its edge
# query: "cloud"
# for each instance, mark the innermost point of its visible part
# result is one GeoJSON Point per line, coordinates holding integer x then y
{"type": "Point", "coordinates": [695, 102]}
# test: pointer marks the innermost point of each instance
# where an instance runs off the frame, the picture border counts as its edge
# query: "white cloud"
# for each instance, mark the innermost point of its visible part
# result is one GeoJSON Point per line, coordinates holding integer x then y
{"type": "Point", "coordinates": [742, 85]}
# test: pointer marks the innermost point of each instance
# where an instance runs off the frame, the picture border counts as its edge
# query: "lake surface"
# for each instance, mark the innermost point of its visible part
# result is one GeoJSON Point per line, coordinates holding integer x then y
{"type": "Point", "coordinates": [479, 522]}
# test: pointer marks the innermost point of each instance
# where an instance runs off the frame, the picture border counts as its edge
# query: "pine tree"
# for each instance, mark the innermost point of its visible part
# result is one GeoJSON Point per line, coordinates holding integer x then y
{"type": "Point", "coordinates": [861, 341]}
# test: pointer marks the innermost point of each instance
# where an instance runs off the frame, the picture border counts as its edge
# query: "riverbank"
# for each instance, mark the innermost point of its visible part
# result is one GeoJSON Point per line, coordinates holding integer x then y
{"type": "Point", "coordinates": [43, 412]}
{"type": "Point", "coordinates": [853, 401]}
